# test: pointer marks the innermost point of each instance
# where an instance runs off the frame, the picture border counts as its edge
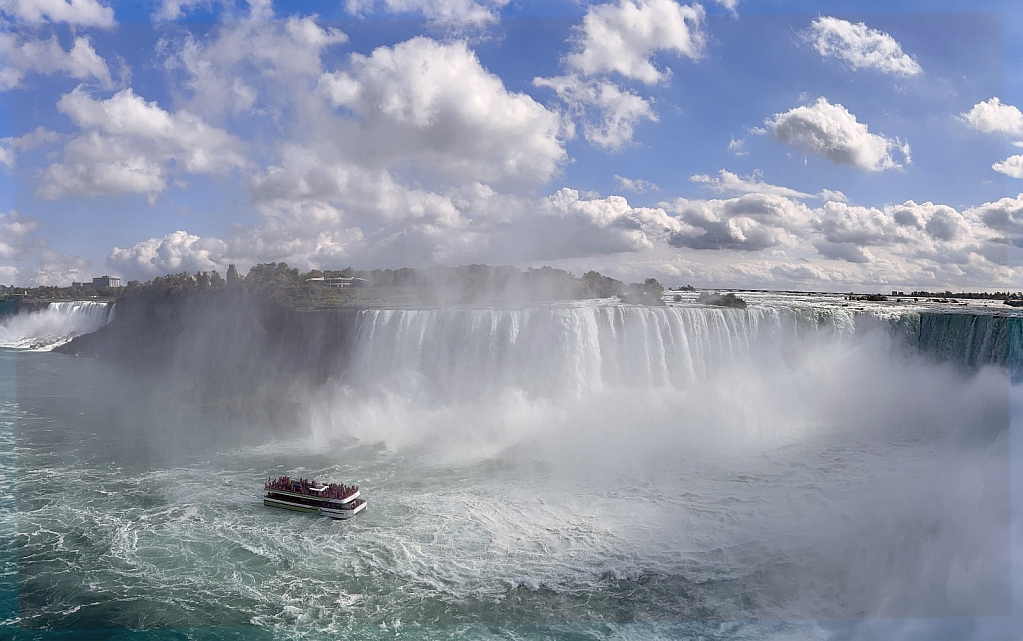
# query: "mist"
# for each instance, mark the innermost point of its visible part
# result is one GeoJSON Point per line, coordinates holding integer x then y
{"type": "Point", "coordinates": [836, 471]}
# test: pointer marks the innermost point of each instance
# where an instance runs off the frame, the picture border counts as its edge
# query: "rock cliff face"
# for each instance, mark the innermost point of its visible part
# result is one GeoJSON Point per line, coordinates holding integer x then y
{"type": "Point", "coordinates": [214, 349]}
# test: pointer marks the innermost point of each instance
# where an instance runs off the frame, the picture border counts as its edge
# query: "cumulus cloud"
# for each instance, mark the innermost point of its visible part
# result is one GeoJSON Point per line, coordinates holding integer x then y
{"type": "Point", "coordinates": [635, 184]}
{"type": "Point", "coordinates": [860, 47]}
{"type": "Point", "coordinates": [1004, 216]}
{"type": "Point", "coordinates": [254, 67]}
{"type": "Point", "coordinates": [129, 145]}
{"type": "Point", "coordinates": [832, 194]}
{"type": "Point", "coordinates": [55, 268]}
{"type": "Point", "coordinates": [436, 104]}
{"type": "Point", "coordinates": [19, 57]}
{"type": "Point", "coordinates": [13, 230]}
{"type": "Point", "coordinates": [174, 9]}
{"type": "Point", "coordinates": [21, 245]}
{"type": "Point", "coordinates": [840, 223]}
{"type": "Point", "coordinates": [751, 222]}
{"type": "Point", "coordinates": [176, 252]}
{"type": "Point", "coordinates": [571, 225]}
{"type": "Point", "coordinates": [9, 147]}
{"type": "Point", "coordinates": [727, 181]}
{"type": "Point", "coordinates": [458, 12]}
{"type": "Point", "coordinates": [322, 216]}
{"type": "Point", "coordinates": [86, 13]}
{"type": "Point", "coordinates": [832, 132]}
{"type": "Point", "coordinates": [622, 38]}
{"type": "Point", "coordinates": [993, 116]}
{"type": "Point", "coordinates": [608, 112]}
{"type": "Point", "coordinates": [307, 176]}
{"type": "Point", "coordinates": [1011, 166]}
{"type": "Point", "coordinates": [906, 224]}
{"type": "Point", "coordinates": [849, 252]}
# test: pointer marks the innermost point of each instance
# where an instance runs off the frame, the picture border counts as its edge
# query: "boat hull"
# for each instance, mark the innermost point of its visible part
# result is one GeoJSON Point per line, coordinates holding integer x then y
{"type": "Point", "coordinates": [342, 514]}
{"type": "Point", "coordinates": [330, 512]}
{"type": "Point", "coordinates": [335, 502]}
{"type": "Point", "coordinates": [294, 507]}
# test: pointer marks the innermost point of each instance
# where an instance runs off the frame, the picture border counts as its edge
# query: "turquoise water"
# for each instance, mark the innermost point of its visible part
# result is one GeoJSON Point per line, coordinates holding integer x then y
{"type": "Point", "coordinates": [823, 489]}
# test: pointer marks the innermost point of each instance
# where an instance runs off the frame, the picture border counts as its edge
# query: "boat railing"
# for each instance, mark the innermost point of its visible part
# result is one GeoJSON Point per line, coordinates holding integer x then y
{"type": "Point", "coordinates": [311, 487]}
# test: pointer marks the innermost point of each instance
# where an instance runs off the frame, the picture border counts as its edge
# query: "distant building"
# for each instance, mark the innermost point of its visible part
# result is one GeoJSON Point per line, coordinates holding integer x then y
{"type": "Point", "coordinates": [99, 282]}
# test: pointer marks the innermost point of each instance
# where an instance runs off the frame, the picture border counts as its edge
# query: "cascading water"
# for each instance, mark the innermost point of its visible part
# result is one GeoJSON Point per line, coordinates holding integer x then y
{"type": "Point", "coordinates": [57, 324]}
{"type": "Point", "coordinates": [573, 348]}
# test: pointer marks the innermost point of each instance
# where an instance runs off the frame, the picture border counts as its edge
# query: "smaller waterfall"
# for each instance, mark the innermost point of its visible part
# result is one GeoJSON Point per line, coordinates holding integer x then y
{"type": "Point", "coordinates": [57, 324]}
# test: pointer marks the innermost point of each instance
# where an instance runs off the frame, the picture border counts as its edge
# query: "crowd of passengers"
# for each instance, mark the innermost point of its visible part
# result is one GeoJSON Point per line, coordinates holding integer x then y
{"type": "Point", "coordinates": [288, 484]}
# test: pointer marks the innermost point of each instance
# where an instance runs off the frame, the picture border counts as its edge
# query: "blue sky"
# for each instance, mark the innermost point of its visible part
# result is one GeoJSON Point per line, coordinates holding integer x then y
{"type": "Point", "coordinates": [816, 146]}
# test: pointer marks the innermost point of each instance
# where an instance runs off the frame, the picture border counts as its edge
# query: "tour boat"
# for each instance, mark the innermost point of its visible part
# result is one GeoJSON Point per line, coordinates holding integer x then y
{"type": "Point", "coordinates": [302, 495]}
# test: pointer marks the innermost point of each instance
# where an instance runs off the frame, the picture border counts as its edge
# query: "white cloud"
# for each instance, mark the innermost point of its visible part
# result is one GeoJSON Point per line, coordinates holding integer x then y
{"type": "Point", "coordinates": [55, 268]}
{"type": "Point", "coordinates": [85, 13]}
{"type": "Point", "coordinates": [618, 110]}
{"type": "Point", "coordinates": [738, 147]}
{"type": "Point", "coordinates": [731, 5]}
{"type": "Point", "coordinates": [436, 104]}
{"type": "Point", "coordinates": [19, 57]}
{"type": "Point", "coordinates": [993, 116]}
{"type": "Point", "coordinates": [570, 225]}
{"type": "Point", "coordinates": [254, 67]}
{"type": "Point", "coordinates": [622, 38]}
{"type": "Point", "coordinates": [307, 176]}
{"type": "Point", "coordinates": [10, 146]}
{"type": "Point", "coordinates": [830, 194]}
{"type": "Point", "coordinates": [40, 265]}
{"type": "Point", "coordinates": [906, 224]}
{"type": "Point", "coordinates": [129, 145]}
{"type": "Point", "coordinates": [174, 253]}
{"type": "Point", "coordinates": [1011, 166]}
{"type": "Point", "coordinates": [831, 131]}
{"type": "Point", "coordinates": [848, 252]}
{"type": "Point", "coordinates": [13, 229]}
{"type": "Point", "coordinates": [458, 12]}
{"type": "Point", "coordinates": [1004, 216]}
{"type": "Point", "coordinates": [860, 47]}
{"type": "Point", "coordinates": [727, 181]}
{"type": "Point", "coordinates": [751, 222]}
{"type": "Point", "coordinates": [636, 185]}
{"type": "Point", "coordinates": [174, 9]}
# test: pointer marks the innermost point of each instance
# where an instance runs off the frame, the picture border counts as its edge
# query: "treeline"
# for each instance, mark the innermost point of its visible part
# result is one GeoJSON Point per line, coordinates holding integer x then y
{"type": "Point", "coordinates": [287, 286]}
{"type": "Point", "coordinates": [971, 295]}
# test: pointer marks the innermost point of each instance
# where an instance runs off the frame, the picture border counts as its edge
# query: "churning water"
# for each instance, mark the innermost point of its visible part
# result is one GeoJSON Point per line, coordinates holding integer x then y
{"type": "Point", "coordinates": [794, 470]}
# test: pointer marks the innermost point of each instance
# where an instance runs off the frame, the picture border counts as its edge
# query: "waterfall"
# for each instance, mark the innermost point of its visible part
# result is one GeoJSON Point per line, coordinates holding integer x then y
{"type": "Point", "coordinates": [57, 324]}
{"type": "Point", "coordinates": [461, 352]}
{"type": "Point", "coordinates": [974, 339]}
{"type": "Point", "coordinates": [572, 348]}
